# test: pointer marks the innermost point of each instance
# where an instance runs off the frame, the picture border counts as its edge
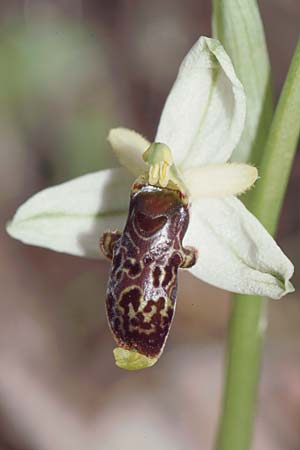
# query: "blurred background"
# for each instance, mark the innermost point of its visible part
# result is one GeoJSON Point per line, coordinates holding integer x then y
{"type": "Point", "coordinates": [69, 71]}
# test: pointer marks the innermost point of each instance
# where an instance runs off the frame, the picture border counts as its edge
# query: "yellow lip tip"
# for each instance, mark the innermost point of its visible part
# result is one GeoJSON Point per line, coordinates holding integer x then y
{"type": "Point", "coordinates": [132, 360]}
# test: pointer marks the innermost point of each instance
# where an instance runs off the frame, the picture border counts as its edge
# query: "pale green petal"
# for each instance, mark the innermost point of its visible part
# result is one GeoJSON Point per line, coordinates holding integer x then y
{"type": "Point", "coordinates": [219, 180]}
{"type": "Point", "coordinates": [129, 146]}
{"type": "Point", "coordinates": [235, 251]}
{"type": "Point", "coordinates": [204, 114]}
{"type": "Point", "coordinates": [237, 25]}
{"type": "Point", "coordinates": [71, 217]}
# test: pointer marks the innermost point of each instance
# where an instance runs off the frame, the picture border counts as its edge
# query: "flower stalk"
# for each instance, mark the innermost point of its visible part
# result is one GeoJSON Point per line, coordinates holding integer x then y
{"type": "Point", "coordinates": [248, 319]}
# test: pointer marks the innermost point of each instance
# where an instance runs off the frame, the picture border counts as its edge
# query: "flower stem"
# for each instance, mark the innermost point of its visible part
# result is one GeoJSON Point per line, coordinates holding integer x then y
{"type": "Point", "coordinates": [248, 319]}
{"type": "Point", "coordinates": [243, 362]}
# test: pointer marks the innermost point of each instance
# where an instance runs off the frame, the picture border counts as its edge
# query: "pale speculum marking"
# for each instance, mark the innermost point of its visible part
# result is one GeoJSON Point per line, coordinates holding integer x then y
{"type": "Point", "coordinates": [133, 267]}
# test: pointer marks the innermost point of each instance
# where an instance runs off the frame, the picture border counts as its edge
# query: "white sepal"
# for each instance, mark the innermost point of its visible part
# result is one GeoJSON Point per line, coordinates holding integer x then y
{"type": "Point", "coordinates": [129, 146]}
{"type": "Point", "coordinates": [236, 253]}
{"type": "Point", "coordinates": [219, 180]}
{"type": "Point", "coordinates": [204, 114]}
{"type": "Point", "coordinates": [71, 217]}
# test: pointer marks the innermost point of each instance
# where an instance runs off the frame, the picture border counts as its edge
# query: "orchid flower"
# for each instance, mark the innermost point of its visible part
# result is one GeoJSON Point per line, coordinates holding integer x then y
{"type": "Point", "coordinates": [201, 123]}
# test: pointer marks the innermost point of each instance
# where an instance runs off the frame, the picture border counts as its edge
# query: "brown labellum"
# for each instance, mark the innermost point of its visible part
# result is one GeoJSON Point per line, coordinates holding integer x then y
{"type": "Point", "coordinates": [142, 288]}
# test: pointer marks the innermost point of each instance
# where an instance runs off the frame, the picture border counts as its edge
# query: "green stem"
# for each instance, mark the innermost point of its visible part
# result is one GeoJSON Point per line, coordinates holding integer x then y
{"type": "Point", "coordinates": [280, 151]}
{"type": "Point", "coordinates": [248, 315]}
{"type": "Point", "coordinates": [243, 362]}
